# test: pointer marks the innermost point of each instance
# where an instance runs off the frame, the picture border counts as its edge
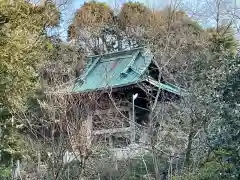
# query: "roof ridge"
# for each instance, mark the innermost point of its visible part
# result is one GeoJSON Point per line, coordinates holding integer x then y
{"type": "Point", "coordinates": [116, 52]}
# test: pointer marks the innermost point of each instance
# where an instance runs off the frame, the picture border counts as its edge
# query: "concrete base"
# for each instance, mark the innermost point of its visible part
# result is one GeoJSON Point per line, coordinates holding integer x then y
{"type": "Point", "coordinates": [131, 151]}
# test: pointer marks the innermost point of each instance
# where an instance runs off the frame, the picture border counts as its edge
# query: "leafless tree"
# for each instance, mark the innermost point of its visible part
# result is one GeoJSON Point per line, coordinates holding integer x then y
{"type": "Point", "coordinates": [174, 128]}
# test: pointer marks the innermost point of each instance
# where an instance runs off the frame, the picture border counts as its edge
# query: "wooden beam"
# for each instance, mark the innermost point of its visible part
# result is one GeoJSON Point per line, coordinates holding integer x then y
{"type": "Point", "coordinates": [121, 109]}
{"type": "Point", "coordinates": [111, 131]}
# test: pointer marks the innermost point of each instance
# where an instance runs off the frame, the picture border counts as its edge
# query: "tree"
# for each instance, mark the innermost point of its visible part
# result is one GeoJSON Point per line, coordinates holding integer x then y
{"type": "Point", "coordinates": [23, 48]}
{"type": "Point", "coordinates": [204, 61]}
{"type": "Point", "coordinates": [174, 38]}
{"type": "Point", "coordinates": [23, 41]}
{"type": "Point", "coordinates": [64, 64]}
{"type": "Point", "coordinates": [214, 87]}
{"type": "Point", "coordinates": [88, 24]}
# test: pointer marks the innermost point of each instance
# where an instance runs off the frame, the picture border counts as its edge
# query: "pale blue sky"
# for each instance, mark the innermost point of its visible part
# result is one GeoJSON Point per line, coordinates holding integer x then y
{"type": "Point", "coordinates": [196, 8]}
{"type": "Point", "coordinates": [69, 10]}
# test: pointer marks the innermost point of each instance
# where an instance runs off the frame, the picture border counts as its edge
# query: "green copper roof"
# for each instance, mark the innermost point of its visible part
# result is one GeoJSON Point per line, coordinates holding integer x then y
{"type": "Point", "coordinates": [118, 69]}
{"type": "Point", "coordinates": [166, 86]}
{"type": "Point", "coordinates": [113, 70]}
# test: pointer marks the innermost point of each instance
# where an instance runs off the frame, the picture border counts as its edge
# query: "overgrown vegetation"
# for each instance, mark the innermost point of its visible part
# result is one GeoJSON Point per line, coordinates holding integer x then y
{"type": "Point", "coordinates": [197, 138]}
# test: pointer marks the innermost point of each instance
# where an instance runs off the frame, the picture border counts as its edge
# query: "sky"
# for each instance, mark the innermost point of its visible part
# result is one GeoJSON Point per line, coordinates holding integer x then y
{"type": "Point", "coordinates": [195, 8]}
{"type": "Point", "coordinates": [73, 5]}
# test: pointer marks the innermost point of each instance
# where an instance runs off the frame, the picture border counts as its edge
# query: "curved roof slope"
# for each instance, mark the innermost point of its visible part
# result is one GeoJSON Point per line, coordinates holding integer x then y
{"type": "Point", "coordinates": [114, 70]}
{"type": "Point", "coordinates": [117, 70]}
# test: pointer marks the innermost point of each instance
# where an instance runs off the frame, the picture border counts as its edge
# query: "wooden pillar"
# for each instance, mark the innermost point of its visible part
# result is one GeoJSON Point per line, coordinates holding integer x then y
{"type": "Point", "coordinates": [132, 126]}
{"type": "Point", "coordinates": [89, 125]}
{"type": "Point", "coordinates": [111, 142]}
{"type": "Point", "coordinates": [39, 163]}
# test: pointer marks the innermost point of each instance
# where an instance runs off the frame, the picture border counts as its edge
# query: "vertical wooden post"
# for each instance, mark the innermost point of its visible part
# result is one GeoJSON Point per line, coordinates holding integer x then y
{"type": "Point", "coordinates": [17, 170]}
{"type": "Point", "coordinates": [39, 163]}
{"type": "Point", "coordinates": [111, 142]}
{"type": "Point", "coordinates": [111, 145]}
{"type": "Point", "coordinates": [132, 125]}
{"type": "Point", "coordinates": [89, 129]}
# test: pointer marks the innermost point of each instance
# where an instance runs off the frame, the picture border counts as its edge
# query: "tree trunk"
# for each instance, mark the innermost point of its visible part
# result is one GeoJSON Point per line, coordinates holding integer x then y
{"type": "Point", "coordinates": [189, 145]}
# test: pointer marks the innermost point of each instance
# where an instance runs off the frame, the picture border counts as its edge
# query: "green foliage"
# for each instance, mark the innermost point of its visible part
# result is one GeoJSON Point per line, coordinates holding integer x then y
{"type": "Point", "coordinates": [12, 145]}
{"type": "Point", "coordinates": [222, 41]}
{"type": "Point", "coordinates": [210, 170]}
{"type": "Point", "coordinates": [215, 77]}
{"type": "Point", "coordinates": [218, 167]}
{"type": "Point", "coordinates": [5, 173]}
{"type": "Point", "coordinates": [216, 88]}
{"type": "Point", "coordinates": [21, 51]}
{"type": "Point", "coordinates": [23, 47]}
{"type": "Point", "coordinates": [224, 132]}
